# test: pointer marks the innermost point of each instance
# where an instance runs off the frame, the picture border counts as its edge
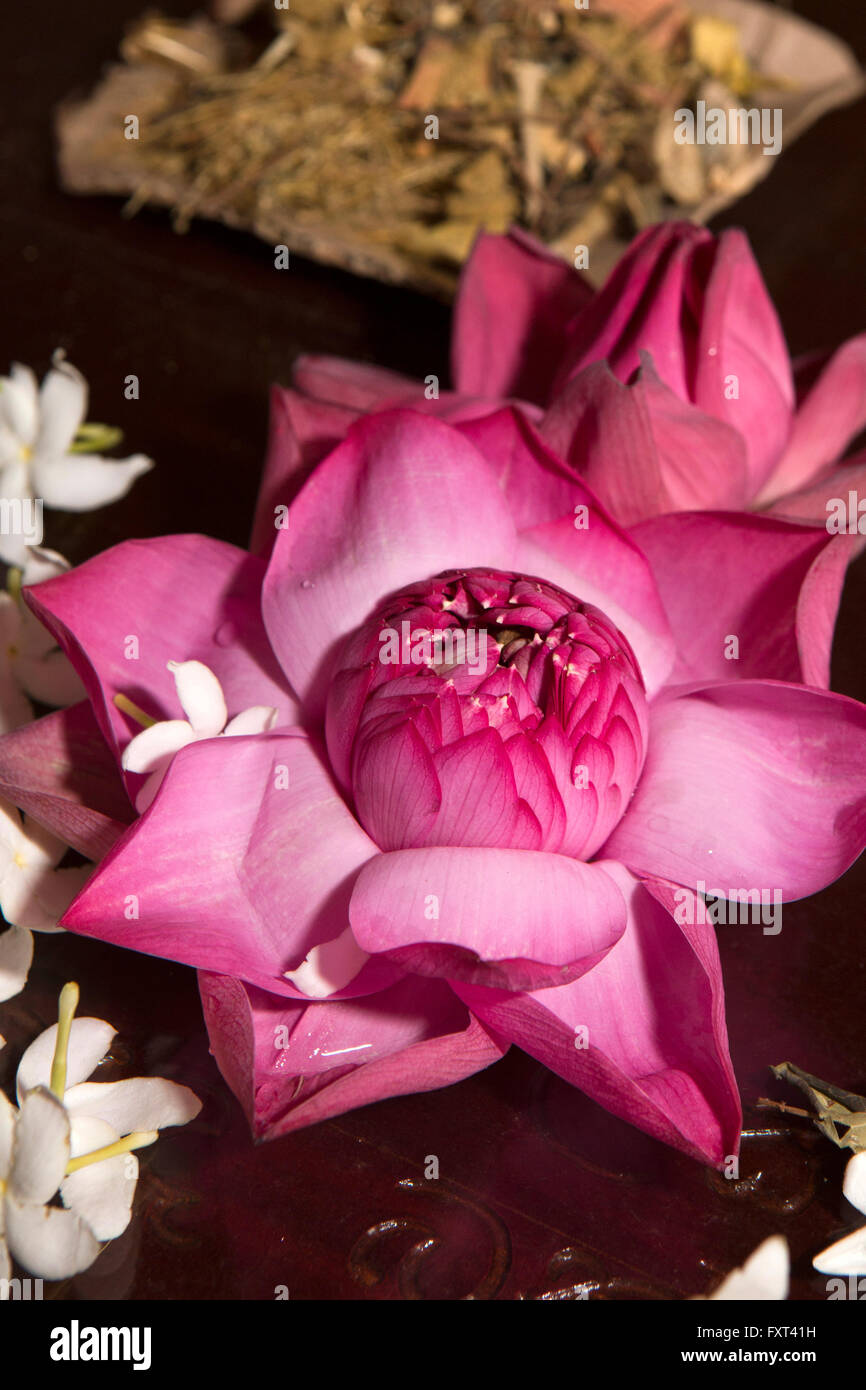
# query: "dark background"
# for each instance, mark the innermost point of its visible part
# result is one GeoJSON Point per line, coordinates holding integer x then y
{"type": "Point", "coordinates": [540, 1191]}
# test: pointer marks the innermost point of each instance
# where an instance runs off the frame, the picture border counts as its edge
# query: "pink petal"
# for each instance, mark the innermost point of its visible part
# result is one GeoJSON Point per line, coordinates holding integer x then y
{"type": "Point", "coordinates": [538, 484]}
{"type": "Point", "coordinates": [404, 497]}
{"type": "Point", "coordinates": [749, 785]}
{"type": "Point", "coordinates": [302, 431]}
{"type": "Point", "coordinates": [292, 1065]}
{"type": "Point", "coordinates": [183, 597]}
{"type": "Point", "coordinates": [357, 386]}
{"type": "Point", "coordinates": [480, 804]}
{"type": "Point", "coordinates": [61, 771]}
{"type": "Point", "coordinates": [833, 413]}
{"type": "Point", "coordinates": [818, 606]}
{"type": "Point", "coordinates": [740, 336]}
{"type": "Point", "coordinates": [512, 919]}
{"type": "Point", "coordinates": [228, 813]}
{"type": "Point", "coordinates": [514, 302]}
{"type": "Point", "coordinates": [643, 1033]}
{"type": "Point", "coordinates": [397, 792]}
{"type": "Point", "coordinates": [601, 565]}
{"type": "Point", "coordinates": [774, 587]}
{"type": "Point", "coordinates": [641, 448]}
{"type": "Point", "coordinates": [818, 502]}
{"type": "Point", "coordinates": [640, 306]}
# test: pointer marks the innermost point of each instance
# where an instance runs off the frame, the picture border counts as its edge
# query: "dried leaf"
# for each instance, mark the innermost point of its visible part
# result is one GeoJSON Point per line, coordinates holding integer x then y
{"type": "Point", "coordinates": [484, 194]}
{"type": "Point", "coordinates": [681, 168]}
{"type": "Point", "coordinates": [835, 1109]}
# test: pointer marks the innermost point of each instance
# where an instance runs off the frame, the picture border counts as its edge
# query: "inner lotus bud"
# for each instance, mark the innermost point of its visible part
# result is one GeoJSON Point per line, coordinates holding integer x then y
{"type": "Point", "coordinates": [488, 708]}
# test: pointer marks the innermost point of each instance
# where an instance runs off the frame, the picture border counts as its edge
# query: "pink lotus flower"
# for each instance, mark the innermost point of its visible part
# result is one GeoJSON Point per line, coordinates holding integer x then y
{"type": "Point", "coordinates": [423, 861]}
{"type": "Point", "coordinates": [671, 389]}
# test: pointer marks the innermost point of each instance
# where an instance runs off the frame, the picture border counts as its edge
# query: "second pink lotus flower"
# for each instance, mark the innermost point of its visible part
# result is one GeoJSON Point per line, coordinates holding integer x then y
{"type": "Point", "coordinates": [670, 389]}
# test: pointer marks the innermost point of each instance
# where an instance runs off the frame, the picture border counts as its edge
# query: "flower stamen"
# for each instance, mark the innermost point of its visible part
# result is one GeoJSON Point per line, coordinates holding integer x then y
{"type": "Point", "coordinates": [67, 1004]}
{"type": "Point", "coordinates": [127, 706]}
{"type": "Point", "coordinates": [137, 1140]}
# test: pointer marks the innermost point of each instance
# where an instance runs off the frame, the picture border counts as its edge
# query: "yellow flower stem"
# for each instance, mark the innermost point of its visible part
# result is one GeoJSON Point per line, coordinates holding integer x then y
{"type": "Point", "coordinates": [13, 583]}
{"type": "Point", "coordinates": [66, 1007]}
{"type": "Point", "coordinates": [138, 1140]}
{"type": "Point", "coordinates": [129, 707]}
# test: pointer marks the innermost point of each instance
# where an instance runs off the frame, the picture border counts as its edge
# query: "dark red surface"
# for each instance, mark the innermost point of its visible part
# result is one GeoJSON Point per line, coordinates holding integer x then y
{"type": "Point", "coordinates": [539, 1192]}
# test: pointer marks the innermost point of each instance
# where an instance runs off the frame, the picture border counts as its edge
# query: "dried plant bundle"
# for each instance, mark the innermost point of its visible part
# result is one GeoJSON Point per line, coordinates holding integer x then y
{"type": "Point", "coordinates": [383, 134]}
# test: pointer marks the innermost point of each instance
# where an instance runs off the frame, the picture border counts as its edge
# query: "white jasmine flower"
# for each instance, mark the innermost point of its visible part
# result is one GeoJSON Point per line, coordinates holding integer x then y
{"type": "Point", "coordinates": [39, 456]}
{"type": "Point", "coordinates": [31, 663]}
{"type": "Point", "coordinates": [764, 1276]}
{"type": "Point", "coordinates": [75, 1137]}
{"type": "Point", "coordinates": [202, 701]}
{"type": "Point", "coordinates": [50, 1242]}
{"type": "Point", "coordinates": [848, 1255]}
{"type": "Point", "coordinates": [34, 894]}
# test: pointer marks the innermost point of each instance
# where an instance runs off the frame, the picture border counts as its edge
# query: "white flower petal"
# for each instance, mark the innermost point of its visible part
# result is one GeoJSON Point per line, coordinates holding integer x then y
{"type": "Point", "coordinates": [40, 848]}
{"type": "Point", "coordinates": [12, 549]}
{"type": "Point", "coordinates": [37, 898]}
{"type": "Point", "coordinates": [53, 894]}
{"type": "Point", "coordinates": [42, 563]}
{"type": "Point", "coordinates": [14, 486]}
{"type": "Point", "coordinates": [153, 749]}
{"type": "Point", "coordinates": [764, 1276]}
{"type": "Point", "coordinates": [5, 1265]}
{"type": "Point", "coordinates": [854, 1185]}
{"type": "Point", "coordinates": [329, 967]}
{"type": "Point", "coordinates": [48, 1241]}
{"type": "Point", "coordinates": [81, 482]}
{"type": "Point", "coordinates": [19, 395]}
{"type": "Point", "coordinates": [62, 407]}
{"type": "Point", "coordinates": [87, 1133]}
{"type": "Point", "coordinates": [11, 831]}
{"type": "Point", "coordinates": [201, 697]}
{"type": "Point", "coordinates": [40, 1150]}
{"type": "Point", "coordinates": [89, 1041]}
{"type": "Point", "coordinates": [140, 1102]}
{"type": "Point", "coordinates": [255, 720]}
{"type": "Point", "coordinates": [101, 1193]}
{"type": "Point", "coordinates": [846, 1256]}
{"type": "Point", "coordinates": [8, 1116]}
{"type": "Point", "coordinates": [16, 955]}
